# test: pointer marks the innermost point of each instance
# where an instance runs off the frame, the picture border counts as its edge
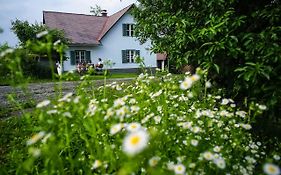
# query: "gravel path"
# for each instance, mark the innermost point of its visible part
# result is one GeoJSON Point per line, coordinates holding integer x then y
{"type": "Point", "coordinates": [41, 91]}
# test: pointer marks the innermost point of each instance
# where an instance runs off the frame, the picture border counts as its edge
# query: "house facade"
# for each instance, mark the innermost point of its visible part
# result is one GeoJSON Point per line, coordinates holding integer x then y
{"type": "Point", "coordinates": [110, 38]}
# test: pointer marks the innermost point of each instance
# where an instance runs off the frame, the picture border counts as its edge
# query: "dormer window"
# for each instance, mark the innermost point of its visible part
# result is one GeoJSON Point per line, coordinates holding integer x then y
{"type": "Point", "coordinates": [128, 29]}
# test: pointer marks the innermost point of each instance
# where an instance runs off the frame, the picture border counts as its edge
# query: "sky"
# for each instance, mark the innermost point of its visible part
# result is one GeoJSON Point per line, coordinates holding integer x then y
{"type": "Point", "coordinates": [32, 11]}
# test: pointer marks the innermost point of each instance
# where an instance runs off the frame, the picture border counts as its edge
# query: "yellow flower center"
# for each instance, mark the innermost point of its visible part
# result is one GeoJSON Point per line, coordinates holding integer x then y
{"type": "Point", "coordinates": [271, 169]}
{"type": "Point", "coordinates": [135, 140]}
{"type": "Point", "coordinates": [35, 137]}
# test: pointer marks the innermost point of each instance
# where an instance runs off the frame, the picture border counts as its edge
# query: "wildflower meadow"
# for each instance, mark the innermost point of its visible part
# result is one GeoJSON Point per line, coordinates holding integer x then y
{"type": "Point", "coordinates": [156, 124]}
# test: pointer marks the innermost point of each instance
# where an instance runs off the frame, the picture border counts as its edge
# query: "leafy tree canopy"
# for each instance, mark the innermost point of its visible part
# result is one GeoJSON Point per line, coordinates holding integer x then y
{"type": "Point", "coordinates": [96, 11]}
{"type": "Point", "coordinates": [237, 41]}
{"type": "Point", "coordinates": [4, 46]}
{"type": "Point", "coordinates": [26, 31]}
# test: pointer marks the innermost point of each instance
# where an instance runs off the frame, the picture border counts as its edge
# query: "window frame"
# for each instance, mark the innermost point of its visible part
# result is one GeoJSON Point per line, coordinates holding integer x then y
{"type": "Point", "coordinates": [80, 60]}
{"type": "Point", "coordinates": [129, 29]}
{"type": "Point", "coordinates": [130, 55]}
{"type": "Point", "coordinates": [77, 56]}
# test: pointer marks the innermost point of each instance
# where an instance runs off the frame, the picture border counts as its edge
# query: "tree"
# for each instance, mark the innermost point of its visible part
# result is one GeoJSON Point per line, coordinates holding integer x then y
{"type": "Point", "coordinates": [237, 41]}
{"type": "Point", "coordinates": [38, 42]}
{"type": "Point", "coordinates": [30, 32]}
{"type": "Point", "coordinates": [26, 31]}
{"type": "Point", "coordinates": [96, 11]}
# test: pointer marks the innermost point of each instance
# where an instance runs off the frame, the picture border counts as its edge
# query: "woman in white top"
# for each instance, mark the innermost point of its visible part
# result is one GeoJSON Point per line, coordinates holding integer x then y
{"type": "Point", "coordinates": [99, 65]}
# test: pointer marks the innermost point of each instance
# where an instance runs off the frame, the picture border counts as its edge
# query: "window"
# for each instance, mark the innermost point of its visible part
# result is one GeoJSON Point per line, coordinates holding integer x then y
{"type": "Point", "coordinates": [128, 29]}
{"type": "Point", "coordinates": [128, 56]}
{"type": "Point", "coordinates": [80, 56]}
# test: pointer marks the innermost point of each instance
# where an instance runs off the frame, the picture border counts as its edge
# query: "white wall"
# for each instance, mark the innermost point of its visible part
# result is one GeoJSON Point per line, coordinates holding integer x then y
{"type": "Point", "coordinates": [112, 45]}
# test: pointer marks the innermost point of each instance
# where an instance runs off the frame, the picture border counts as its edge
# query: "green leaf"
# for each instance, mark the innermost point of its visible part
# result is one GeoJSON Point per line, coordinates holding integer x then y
{"type": "Point", "coordinates": [217, 68]}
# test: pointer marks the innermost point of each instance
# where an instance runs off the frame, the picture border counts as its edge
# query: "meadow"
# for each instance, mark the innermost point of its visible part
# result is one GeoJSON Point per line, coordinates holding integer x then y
{"type": "Point", "coordinates": [157, 124]}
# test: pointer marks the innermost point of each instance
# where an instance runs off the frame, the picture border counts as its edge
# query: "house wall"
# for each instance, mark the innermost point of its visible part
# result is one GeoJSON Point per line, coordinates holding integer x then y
{"type": "Point", "coordinates": [112, 45]}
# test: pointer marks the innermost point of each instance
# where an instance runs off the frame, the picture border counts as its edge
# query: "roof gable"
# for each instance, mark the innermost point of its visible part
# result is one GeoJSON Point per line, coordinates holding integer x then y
{"type": "Point", "coordinates": [82, 29]}
{"type": "Point", "coordinates": [113, 19]}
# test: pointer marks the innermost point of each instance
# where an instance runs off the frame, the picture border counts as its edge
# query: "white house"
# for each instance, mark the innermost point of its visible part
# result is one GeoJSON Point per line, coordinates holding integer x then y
{"type": "Point", "coordinates": [106, 37]}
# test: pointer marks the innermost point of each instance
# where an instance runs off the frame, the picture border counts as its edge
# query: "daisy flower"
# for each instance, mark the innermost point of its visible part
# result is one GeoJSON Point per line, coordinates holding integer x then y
{"type": "Point", "coordinates": [262, 107]}
{"type": "Point", "coordinates": [179, 169]}
{"type": "Point", "coordinates": [224, 101]}
{"type": "Point", "coordinates": [271, 169]}
{"type": "Point", "coordinates": [170, 165]}
{"type": "Point", "coordinates": [186, 84]}
{"type": "Point", "coordinates": [135, 109]}
{"type": "Point", "coordinates": [217, 149]}
{"type": "Point", "coordinates": [196, 129]}
{"type": "Point", "coordinates": [118, 88]}
{"type": "Point", "coordinates": [122, 112]}
{"type": "Point", "coordinates": [194, 142]}
{"type": "Point", "coordinates": [241, 113]}
{"type": "Point", "coordinates": [154, 161]}
{"type": "Point", "coordinates": [66, 97]}
{"type": "Point", "coordinates": [195, 77]}
{"type": "Point", "coordinates": [220, 163]}
{"type": "Point", "coordinates": [135, 142]}
{"type": "Point", "coordinates": [119, 102]}
{"type": "Point", "coordinates": [96, 164]}
{"type": "Point", "coordinates": [132, 127]}
{"type": "Point", "coordinates": [116, 128]}
{"type": "Point", "coordinates": [157, 119]}
{"type": "Point", "coordinates": [276, 157]}
{"type": "Point", "coordinates": [43, 104]}
{"type": "Point", "coordinates": [208, 155]}
{"type": "Point", "coordinates": [208, 84]}
{"type": "Point", "coordinates": [53, 111]}
{"type": "Point", "coordinates": [246, 126]}
{"type": "Point", "coordinates": [45, 139]}
{"type": "Point", "coordinates": [132, 101]}
{"type": "Point", "coordinates": [36, 137]}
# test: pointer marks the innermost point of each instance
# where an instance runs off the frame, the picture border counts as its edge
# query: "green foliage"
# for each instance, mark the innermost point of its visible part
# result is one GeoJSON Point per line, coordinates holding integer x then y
{"type": "Point", "coordinates": [4, 47]}
{"type": "Point", "coordinates": [34, 59]}
{"type": "Point", "coordinates": [26, 31]}
{"type": "Point", "coordinates": [238, 42]}
{"type": "Point", "coordinates": [96, 11]}
{"type": "Point", "coordinates": [155, 125]}
{"type": "Point", "coordinates": [35, 34]}
{"type": "Point", "coordinates": [85, 133]}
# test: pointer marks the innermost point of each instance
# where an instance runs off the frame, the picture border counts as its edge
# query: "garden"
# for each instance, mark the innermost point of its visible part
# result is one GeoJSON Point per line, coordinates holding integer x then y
{"type": "Point", "coordinates": [221, 118]}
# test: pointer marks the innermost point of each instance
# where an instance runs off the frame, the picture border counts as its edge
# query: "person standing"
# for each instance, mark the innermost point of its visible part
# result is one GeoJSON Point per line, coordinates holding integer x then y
{"type": "Point", "coordinates": [59, 69]}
